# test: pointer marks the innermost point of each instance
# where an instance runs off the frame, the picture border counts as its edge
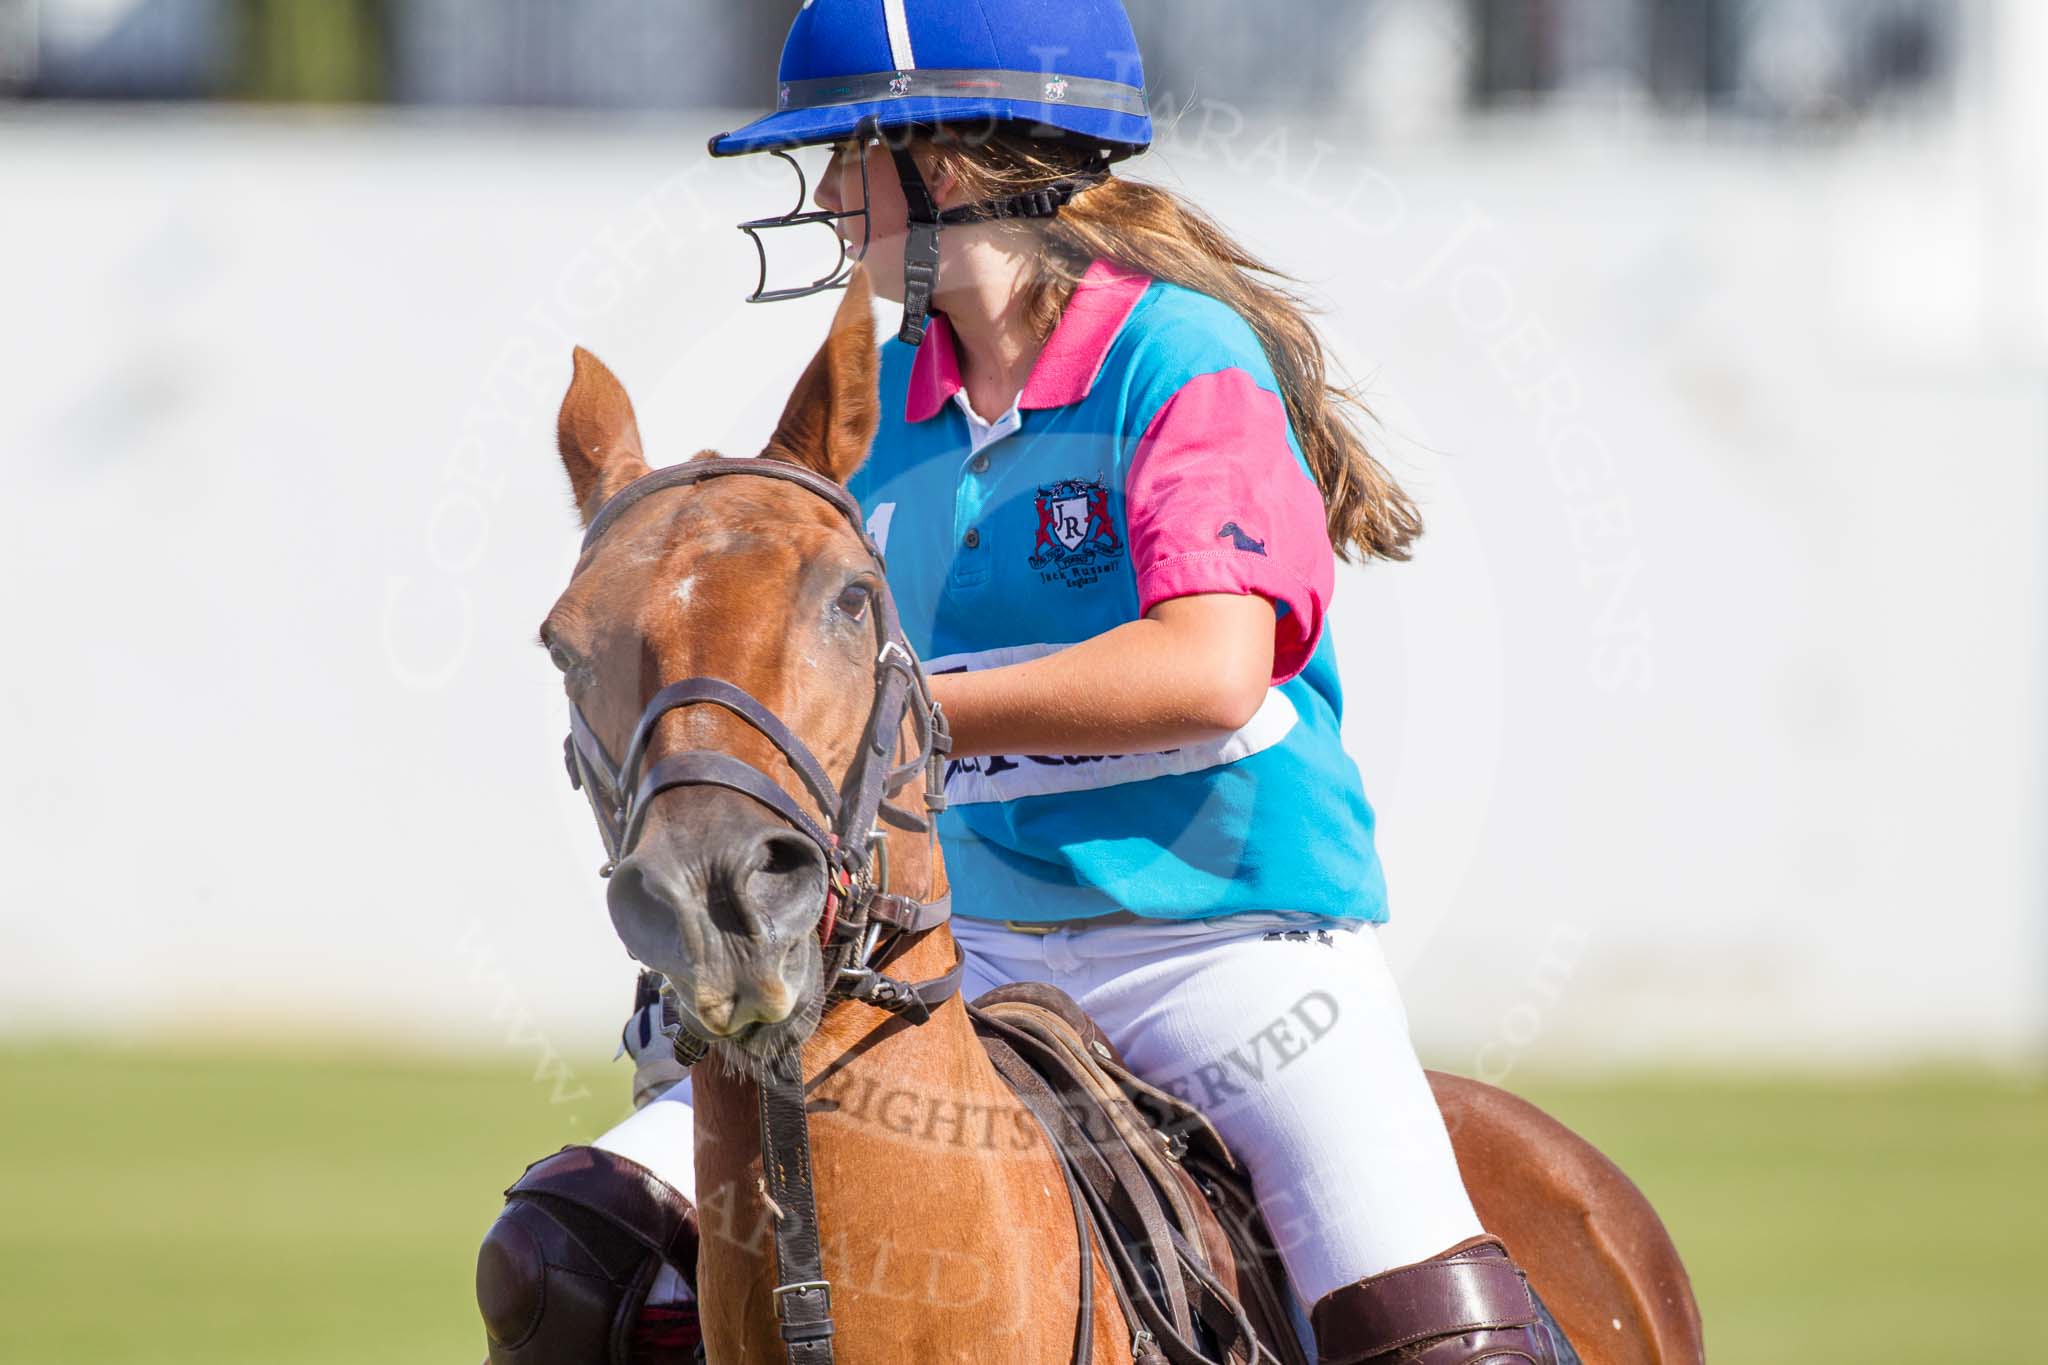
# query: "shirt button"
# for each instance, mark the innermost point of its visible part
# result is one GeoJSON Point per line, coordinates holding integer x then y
{"type": "Point", "coordinates": [972, 539]}
{"type": "Point", "coordinates": [979, 464]}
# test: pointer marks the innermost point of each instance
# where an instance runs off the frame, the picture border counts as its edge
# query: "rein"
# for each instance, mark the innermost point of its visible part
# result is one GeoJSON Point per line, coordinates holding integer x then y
{"type": "Point", "coordinates": [860, 911]}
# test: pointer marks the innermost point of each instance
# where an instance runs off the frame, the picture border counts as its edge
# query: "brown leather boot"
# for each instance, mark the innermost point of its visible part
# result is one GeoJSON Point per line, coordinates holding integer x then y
{"type": "Point", "coordinates": [1469, 1306]}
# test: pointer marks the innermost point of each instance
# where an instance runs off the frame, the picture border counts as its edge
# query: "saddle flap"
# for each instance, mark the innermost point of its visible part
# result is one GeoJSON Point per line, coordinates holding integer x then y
{"type": "Point", "coordinates": [1170, 1115]}
{"type": "Point", "coordinates": [1056, 1002]}
{"type": "Point", "coordinates": [1212, 1270]}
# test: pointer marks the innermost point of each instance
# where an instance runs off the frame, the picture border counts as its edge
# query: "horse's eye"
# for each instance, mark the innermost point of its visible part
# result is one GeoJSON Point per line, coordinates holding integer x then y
{"type": "Point", "coordinates": [853, 600]}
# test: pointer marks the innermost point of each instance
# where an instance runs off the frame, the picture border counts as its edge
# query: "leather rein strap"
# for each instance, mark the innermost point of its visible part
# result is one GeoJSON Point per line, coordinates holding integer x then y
{"type": "Point", "coordinates": [860, 911]}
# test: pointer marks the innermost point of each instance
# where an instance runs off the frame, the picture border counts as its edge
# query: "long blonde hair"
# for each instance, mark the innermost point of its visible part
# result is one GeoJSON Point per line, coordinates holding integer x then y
{"type": "Point", "coordinates": [1148, 228]}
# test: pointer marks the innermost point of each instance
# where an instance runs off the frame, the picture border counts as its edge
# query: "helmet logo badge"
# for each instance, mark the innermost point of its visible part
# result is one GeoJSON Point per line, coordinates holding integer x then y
{"type": "Point", "coordinates": [1056, 89]}
{"type": "Point", "coordinates": [782, 97]}
{"type": "Point", "coordinates": [901, 85]}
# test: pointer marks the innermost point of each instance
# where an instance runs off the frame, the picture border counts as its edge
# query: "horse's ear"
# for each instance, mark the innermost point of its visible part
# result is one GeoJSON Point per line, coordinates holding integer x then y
{"type": "Point", "coordinates": [597, 435]}
{"type": "Point", "coordinates": [831, 417]}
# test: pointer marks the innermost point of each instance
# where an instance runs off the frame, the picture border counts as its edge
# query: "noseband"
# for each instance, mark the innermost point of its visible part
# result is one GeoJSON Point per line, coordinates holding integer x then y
{"type": "Point", "coordinates": [860, 910]}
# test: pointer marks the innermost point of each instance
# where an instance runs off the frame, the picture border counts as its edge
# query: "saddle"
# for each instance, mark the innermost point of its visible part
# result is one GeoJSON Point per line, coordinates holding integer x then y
{"type": "Point", "coordinates": [1171, 1210]}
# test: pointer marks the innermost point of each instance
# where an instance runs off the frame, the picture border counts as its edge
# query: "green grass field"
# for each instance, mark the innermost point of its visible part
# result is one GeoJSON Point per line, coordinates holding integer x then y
{"type": "Point", "coordinates": [240, 1208]}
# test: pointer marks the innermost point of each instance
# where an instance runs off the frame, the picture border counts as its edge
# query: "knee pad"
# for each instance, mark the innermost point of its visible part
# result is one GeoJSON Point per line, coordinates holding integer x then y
{"type": "Point", "coordinates": [564, 1272]}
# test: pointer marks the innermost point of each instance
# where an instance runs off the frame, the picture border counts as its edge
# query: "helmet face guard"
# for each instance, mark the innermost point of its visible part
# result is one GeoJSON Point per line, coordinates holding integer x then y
{"type": "Point", "coordinates": [800, 216]}
{"type": "Point", "coordinates": [892, 69]}
{"type": "Point", "coordinates": [921, 247]}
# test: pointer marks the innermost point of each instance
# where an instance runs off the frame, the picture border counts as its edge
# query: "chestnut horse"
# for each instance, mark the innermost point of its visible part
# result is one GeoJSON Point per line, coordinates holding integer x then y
{"type": "Point", "coordinates": [945, 1220]}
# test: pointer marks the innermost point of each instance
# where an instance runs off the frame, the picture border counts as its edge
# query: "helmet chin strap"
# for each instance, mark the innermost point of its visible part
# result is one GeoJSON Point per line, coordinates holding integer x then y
{"type": "Point", "coordinates": [921, 246]}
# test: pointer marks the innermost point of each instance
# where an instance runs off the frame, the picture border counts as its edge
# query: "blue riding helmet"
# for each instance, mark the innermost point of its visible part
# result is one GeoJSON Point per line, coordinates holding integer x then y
{"type": "Point", "coordinates": [864, 70]}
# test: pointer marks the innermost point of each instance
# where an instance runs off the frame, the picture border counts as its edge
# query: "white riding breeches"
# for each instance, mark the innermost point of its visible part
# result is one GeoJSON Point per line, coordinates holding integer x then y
{"type": "Point", "coordinates": [1285, 1029]}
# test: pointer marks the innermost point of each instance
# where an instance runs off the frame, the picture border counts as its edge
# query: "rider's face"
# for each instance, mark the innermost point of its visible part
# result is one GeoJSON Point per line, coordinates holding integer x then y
{"type": "Point", "coordinates": [839, 190]}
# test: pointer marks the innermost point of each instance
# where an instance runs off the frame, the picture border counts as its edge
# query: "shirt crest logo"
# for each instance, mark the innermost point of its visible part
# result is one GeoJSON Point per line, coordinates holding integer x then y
{"type": "Point", "coordinates": [1077, 540]}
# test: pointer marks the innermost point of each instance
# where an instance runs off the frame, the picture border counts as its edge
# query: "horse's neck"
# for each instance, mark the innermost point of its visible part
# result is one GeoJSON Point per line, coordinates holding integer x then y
{"type": "Point", "coordinates": [918, 1151]}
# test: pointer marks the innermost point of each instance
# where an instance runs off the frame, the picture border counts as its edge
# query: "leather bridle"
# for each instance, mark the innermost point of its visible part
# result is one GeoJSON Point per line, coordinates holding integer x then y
{"type": "Point", "coordinates": [864, 921]}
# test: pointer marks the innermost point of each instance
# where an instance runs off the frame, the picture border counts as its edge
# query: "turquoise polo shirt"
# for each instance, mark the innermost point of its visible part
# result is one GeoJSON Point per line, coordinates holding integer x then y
{"type": "Point", "coordinates": [1149, 457]}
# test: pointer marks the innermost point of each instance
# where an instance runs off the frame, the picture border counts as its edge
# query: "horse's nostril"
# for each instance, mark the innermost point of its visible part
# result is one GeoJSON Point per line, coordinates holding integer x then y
{"type": "Point", "coordinates": [786, 880]}
{"type": "Point", "coordinates": [644, 917]}
{"type": "Point", "coordinates": [787, 855]}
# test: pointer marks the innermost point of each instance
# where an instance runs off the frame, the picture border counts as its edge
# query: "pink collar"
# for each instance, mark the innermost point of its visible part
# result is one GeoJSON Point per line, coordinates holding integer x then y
{"type": "Point", "coordinates": [1065, 370]}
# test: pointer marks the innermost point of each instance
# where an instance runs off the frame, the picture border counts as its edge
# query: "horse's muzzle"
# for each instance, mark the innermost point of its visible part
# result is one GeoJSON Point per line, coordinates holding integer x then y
{"type": "Point", "coordinates": [729, 914]}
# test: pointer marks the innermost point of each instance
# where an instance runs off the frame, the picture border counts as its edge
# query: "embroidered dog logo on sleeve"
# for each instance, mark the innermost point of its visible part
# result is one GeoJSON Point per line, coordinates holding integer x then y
{"type": "Point", "coordinates": [1239, 540]}
{"type": "Point", "coordinates": [1077, 540]}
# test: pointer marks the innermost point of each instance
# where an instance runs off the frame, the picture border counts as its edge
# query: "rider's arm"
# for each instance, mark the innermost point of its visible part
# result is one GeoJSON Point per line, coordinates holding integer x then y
{"type": "Point", "coordinates": [1192, 669]}
{"type": "Point", "coordinates": [1232, 563]}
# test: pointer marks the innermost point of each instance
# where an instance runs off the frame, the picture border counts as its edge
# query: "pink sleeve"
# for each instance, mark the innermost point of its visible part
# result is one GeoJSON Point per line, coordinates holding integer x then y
{"type": "Point", "coordinates": [1217, 503]}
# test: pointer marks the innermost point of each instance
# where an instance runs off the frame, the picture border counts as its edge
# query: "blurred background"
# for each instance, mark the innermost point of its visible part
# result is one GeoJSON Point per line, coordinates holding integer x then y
{"type": "Point", "coordinates": [1706, 729]}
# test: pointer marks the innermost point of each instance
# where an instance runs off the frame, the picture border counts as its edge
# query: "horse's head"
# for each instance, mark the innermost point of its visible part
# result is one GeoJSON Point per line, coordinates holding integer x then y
{"type": "Point", "coordinates": [767, 588]}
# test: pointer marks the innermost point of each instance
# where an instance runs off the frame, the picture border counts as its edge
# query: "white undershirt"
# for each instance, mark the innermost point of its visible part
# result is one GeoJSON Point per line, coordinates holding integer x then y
{"type": "Point", "coordinates": [985, 434]}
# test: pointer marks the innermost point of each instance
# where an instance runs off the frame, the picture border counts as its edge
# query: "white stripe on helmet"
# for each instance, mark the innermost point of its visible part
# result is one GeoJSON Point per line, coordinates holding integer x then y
{"type": "Point", "coordinates": [899, 36]}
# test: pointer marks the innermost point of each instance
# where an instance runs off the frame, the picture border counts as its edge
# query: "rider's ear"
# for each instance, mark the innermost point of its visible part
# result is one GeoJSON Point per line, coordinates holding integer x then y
{"type": "Point", "coordinates": [597, 435]}
{"type": "Point", "coordinates": [831, 418]}
{"type": "Point", "coordinates": [941, 181]}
